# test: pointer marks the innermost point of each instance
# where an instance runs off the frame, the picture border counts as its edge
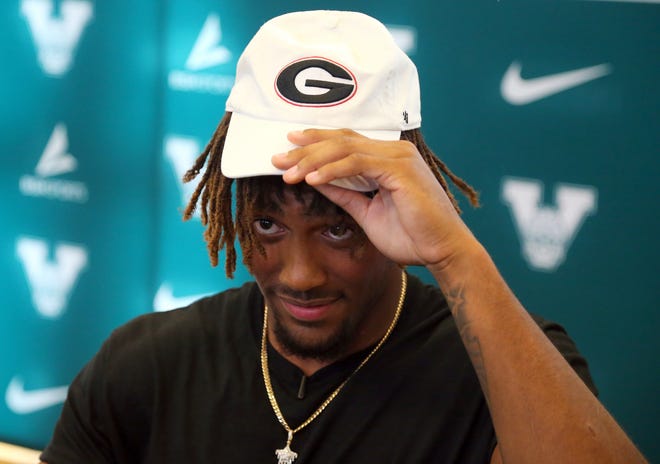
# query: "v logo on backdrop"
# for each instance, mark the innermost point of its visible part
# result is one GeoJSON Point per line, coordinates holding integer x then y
{"type": "Point", "coordinates": [56, 38]}
{"type": "Point", "coordinates": [181, 153]}
{"type": "Point", "coordinates": [51, 280]}
{"type": "Point", "coordinates": [546, 232]}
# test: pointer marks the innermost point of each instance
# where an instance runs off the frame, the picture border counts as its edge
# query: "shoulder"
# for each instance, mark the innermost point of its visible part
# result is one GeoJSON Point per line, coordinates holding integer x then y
{"type": "Point", "coordinates": [151, 341]}
{"type": "Point", "coordinates": [147, 367]}
{"type": "Point", "coordinates": [425, 300]}
{"type": "Point", "coordinates": [426, 331]}
{"type": "Point", "coordinates": [155, 349]}
{"type": "Point", "coordinates": [425, 309]}
{"type": "Point", "coordinates": [221, 312]}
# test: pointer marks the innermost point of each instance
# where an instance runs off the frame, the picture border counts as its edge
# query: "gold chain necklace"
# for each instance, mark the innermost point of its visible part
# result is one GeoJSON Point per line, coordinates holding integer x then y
{"type": "Point", "coordinates": [286, 455]}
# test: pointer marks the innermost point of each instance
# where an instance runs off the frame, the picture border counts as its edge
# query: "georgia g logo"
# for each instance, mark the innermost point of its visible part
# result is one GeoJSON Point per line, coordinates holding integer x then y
{"type": "Point", "coordinates": [315, 81]}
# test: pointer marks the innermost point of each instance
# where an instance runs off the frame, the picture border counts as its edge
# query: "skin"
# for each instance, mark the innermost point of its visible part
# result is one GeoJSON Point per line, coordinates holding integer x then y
{"type": "Point", "coordinates": [541, 410]}
{"type": "Point", "coordinates": [329, 291]}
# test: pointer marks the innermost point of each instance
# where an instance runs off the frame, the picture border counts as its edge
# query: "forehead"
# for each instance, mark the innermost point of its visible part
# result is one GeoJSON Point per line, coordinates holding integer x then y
{"type": "Point", "coordinates": [271, 194]}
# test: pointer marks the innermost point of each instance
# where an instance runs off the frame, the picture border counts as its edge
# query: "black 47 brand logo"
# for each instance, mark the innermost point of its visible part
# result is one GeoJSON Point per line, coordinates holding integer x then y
{"type": "Point", "coordinates": [315, 82]}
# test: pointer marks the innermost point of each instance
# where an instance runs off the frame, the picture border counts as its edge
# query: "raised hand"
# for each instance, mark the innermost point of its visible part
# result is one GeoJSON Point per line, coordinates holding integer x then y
{"type": "Point", "coordinates": [411, 220]}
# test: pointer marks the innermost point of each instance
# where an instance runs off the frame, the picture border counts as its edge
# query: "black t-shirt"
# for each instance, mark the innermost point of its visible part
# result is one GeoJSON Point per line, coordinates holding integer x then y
{"type": "Point", "coordinates": [186, 386]}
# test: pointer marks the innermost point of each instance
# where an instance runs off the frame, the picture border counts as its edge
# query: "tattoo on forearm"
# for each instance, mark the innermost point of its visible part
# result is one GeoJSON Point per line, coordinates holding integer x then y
{"type": "Point", "coordinates": [456, 299]}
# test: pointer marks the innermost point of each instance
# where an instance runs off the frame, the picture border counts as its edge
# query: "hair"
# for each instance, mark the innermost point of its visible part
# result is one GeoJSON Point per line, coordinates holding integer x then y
{"type": "Point", "coordinates": [224, 224]}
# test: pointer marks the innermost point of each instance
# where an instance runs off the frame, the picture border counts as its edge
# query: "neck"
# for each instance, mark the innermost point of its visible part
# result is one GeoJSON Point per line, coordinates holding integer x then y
{"type": "Point", "coordinates": [308, 366]}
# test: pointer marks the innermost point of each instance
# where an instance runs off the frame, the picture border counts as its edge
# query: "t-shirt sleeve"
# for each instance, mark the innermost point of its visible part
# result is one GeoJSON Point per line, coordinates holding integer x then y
{"type": "Point", "coordinates": [79, 434]}
{"type": "Point", "coordinates": [102, 418]}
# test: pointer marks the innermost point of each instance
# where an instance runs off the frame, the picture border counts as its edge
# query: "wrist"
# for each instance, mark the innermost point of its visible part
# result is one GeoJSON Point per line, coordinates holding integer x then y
{"type": "Point", "coordinates": [466, 260]}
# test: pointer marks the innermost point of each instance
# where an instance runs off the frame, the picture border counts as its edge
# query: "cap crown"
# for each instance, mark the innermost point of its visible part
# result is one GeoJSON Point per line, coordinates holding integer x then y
{"type": "Point", "coordinates": [327, 68]}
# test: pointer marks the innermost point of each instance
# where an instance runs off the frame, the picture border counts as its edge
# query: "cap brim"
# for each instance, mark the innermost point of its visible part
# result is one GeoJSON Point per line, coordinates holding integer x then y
{"type": "Point", "coordinates": [251, 142]}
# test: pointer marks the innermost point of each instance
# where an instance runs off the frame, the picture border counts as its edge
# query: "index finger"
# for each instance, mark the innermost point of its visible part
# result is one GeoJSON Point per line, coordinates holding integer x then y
{"type": "Point", "coordinates": [323, 148]}
{"type": "Point", "coordinates": [302, 138]}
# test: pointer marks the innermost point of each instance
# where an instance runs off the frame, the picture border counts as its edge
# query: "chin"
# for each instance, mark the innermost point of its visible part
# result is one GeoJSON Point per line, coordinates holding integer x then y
{"type": "Point", "coordinates": [325, 348]}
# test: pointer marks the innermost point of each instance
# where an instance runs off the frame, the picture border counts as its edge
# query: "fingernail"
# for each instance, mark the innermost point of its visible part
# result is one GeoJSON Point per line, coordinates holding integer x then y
{"type": "Point", "coordinates": [296, 133]}
{"type": "Point", "coordinates": [290, 173]}
{"type": "Point", "coordinates": [312, 177]}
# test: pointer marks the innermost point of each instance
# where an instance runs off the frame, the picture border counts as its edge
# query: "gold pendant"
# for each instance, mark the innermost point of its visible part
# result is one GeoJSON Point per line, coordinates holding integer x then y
{"type": "Point", "coordinates": [285, 455]}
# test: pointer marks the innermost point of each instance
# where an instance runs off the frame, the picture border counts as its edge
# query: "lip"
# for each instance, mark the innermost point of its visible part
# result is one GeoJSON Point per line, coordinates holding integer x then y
{"type": "Point", "coordinates": [308, 311]}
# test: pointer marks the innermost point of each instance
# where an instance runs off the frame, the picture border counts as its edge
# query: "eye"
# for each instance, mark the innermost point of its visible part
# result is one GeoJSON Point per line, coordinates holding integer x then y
{"type": "Point", "coordinates": [266, 226]}
{"type": "Point", "coordinates": [340, 231]}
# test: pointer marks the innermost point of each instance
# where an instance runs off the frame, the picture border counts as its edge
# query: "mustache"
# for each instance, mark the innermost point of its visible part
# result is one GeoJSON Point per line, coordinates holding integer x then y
{"type": "Point", "coordinates": [306, 295]}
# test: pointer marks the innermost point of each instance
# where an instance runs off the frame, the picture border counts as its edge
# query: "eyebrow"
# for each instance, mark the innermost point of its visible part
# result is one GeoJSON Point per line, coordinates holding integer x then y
{"type": "Point", "coordinates": [309, 213]}
{"type": "Point", "coordinates": [316, 206]}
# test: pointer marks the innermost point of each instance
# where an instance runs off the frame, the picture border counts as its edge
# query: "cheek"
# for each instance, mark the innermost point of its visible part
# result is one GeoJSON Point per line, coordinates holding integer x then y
{"type": "Point", "coordinates": [358, 263]}
{"type": "Point", "coordinates": [256, 259]}
{"type": "Point", "coordinates": [259, 264]}
{"type": "Point", "coordinates": [362, 263]}
{"type": "Point", "coordinates": [361, 253]}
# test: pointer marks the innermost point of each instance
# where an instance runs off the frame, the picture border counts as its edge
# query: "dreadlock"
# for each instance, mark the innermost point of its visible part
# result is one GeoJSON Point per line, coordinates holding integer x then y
{"type": "Point", "coordinates": [223, 226]}
{"type": "Point", "coordinates": [438, 168]}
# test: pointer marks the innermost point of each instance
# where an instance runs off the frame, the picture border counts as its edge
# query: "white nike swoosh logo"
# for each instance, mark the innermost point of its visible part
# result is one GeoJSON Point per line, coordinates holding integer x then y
{"type": "Point", "coordinates": [164, 300]}
{"type": "Point", "coordinates": [519, 91]}
{"type": "Point", "coordinates": [21, 401]}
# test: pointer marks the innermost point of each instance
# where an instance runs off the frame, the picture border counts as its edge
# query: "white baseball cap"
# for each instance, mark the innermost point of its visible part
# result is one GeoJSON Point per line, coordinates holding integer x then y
{"type": "Point", "coordinates": [317, 69]}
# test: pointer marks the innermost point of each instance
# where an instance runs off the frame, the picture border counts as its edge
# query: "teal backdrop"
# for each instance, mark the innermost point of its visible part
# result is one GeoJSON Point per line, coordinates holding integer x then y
{"type": "Point", "coordinates": [549, 108]}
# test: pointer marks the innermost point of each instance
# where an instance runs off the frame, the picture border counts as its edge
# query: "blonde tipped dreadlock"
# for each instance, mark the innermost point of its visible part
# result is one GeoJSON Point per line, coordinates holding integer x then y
{"type": "Point", "coordinates": [222, 225]}
{"type": "Point", "coordinates": [438, 167]}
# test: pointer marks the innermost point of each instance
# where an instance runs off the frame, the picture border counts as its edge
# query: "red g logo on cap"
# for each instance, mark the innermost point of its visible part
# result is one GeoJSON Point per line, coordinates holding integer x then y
{"type": "Point", "coordinates": [295, 88]}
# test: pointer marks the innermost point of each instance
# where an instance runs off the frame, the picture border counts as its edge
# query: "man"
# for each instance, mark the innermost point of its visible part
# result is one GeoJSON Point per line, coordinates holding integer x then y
{"type": "Point", "coordinates": [335, 354]}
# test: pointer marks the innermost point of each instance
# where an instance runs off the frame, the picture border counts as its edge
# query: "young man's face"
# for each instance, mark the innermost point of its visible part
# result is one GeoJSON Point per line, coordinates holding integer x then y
{"type": "Point", "coordinates": [329, 291]}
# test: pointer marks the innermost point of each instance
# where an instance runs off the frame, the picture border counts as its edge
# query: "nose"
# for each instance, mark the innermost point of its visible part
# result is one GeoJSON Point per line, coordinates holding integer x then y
{"type": "Point", "coordinates": [302, 267]}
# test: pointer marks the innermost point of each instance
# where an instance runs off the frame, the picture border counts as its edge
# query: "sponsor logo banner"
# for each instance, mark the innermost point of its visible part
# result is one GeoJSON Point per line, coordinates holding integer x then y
{"type": "Point", "coordinates": [181, 153]}
{"type": "Point", "coordinates": [22, 401]}
{"type": "Point", "coordinates": [518, 91]}
{"type": "Point", "coordinates": [405, 37]}
{"type": "Point", "coordinates": [55, 161]}
{"type": "Point", "coordinates": [165, 300]}
{"type": "Point", "coordinates": [207, 52]}
{"type": "Point", "coordinates": [56, 36]}
{"type": "Point", "coordinates": [51, 279]}
{"type": "Point", "coordinates": [547, 231]}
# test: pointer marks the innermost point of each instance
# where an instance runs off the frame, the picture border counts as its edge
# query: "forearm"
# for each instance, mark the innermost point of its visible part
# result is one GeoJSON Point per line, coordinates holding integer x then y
{"type": "Point", "coordinates": [541, 409]}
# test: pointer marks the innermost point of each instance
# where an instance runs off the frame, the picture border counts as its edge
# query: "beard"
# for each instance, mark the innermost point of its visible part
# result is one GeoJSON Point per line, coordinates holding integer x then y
{"type": "Point", "coordinates": [330, 348]}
